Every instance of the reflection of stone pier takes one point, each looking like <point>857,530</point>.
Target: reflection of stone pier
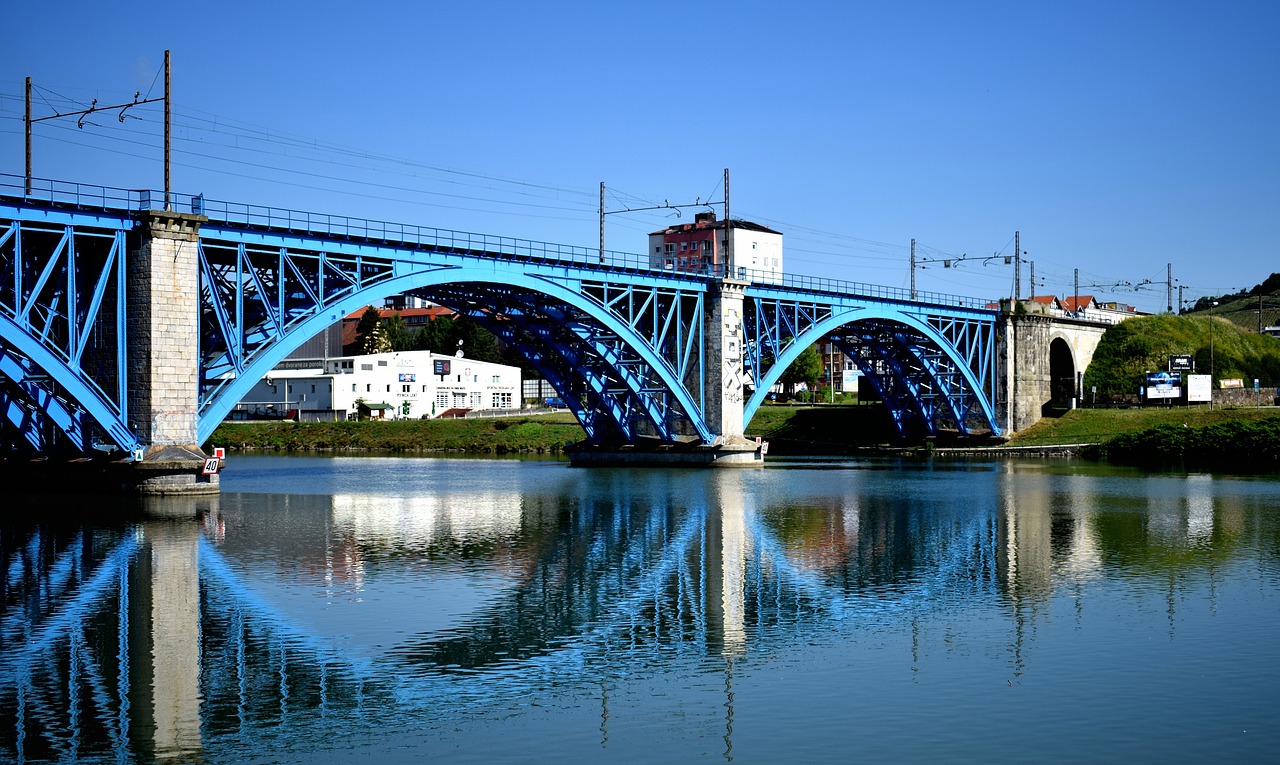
<point>726,568</point>
<point>165,641</point>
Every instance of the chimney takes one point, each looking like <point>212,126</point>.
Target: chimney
<point>705,217</point>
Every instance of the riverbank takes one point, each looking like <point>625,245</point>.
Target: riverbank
<point>544,433</point>
<point>791,430</point>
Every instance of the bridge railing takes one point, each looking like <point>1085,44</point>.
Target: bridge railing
<point>488,245</point>
<point>844,288</point>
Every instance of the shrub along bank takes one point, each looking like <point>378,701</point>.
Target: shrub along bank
<point>1238,446</point>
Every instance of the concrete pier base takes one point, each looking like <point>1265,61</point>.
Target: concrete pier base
<point>734,452</point>
<point>166,477</point>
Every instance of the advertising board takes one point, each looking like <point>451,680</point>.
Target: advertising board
<point>1199,389</point>
<point>1162,386</point>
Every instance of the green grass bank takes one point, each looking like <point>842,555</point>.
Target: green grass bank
<point>795,430</point>
<point>534,433</point>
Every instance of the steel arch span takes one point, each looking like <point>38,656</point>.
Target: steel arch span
<point>623,349</point>
<point>62,342</point>
<point>934,366</point>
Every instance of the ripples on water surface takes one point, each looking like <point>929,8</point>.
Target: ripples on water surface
<point>395,609</point>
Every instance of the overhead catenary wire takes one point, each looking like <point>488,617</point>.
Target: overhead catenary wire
<point>216,139</point>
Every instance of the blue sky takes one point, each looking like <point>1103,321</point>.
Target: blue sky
<point>1118,137</point>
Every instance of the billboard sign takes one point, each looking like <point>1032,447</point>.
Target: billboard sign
<point>1180,363</point>
<point>1162,386</point>
<point>408,377</point>
<point>1199,389</point>
<point>441,367</point>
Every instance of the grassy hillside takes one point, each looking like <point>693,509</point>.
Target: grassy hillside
<point>1129,349</point>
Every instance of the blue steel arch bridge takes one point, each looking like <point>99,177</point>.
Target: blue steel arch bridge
<point>636,351</point>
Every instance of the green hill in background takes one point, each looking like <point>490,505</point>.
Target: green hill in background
<point>1144,343</point>
<point>1251,309</point>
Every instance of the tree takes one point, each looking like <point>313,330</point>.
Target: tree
<point>807,369</point>
<point>436,336</point>
<point>376,341</point>
<point>369,320</point>
<point>398,334</point>
<point>477,342</point>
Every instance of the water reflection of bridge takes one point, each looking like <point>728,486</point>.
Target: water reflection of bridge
<point>150,638</point>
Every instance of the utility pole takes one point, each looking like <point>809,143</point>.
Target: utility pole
<point>601,221</point>
<point>1169,284</point>
<point>1075,295</point>
<point>913,269</point>
<point>1259,314</point>
<point>167,130</point>
<point>94,107</point>
<point>1017,266</point>
<point>1180,303</point>
<point>728,229</point>
<point>1033,280</point>
<point>26,120</point>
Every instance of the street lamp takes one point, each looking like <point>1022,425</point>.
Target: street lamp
<point>1213,304</point>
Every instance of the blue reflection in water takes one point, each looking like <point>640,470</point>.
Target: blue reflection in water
<point>397,608</point>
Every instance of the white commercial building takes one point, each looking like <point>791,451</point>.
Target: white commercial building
<point>404,385</point>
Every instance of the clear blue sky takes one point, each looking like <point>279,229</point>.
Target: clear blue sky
<point>1117,137</point>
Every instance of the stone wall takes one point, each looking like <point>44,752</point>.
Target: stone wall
<point>1026,379</point>
<point>1246,397</point>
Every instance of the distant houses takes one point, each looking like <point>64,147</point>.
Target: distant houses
<point>1082,307</point>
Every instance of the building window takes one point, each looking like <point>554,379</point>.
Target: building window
<point>671,248</point>
<point>368,388</point>
<point>404,388</point>
<point>706,246</point>
<point>313,389</point>
<point>497,379</point>
<point>442,400</point>
<point>366,367</point>
<point>388,389</point>
<point>353,387</point>
<point>501,401</point>
<point>382,363</point>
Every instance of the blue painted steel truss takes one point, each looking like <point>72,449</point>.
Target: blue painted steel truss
<point>933,365</point>
<point>62,344</point>
<point>621,343</point>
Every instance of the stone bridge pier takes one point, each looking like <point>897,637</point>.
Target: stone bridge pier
<point>163,307</point>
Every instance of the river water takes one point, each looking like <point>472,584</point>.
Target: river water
<point>466,610</point>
